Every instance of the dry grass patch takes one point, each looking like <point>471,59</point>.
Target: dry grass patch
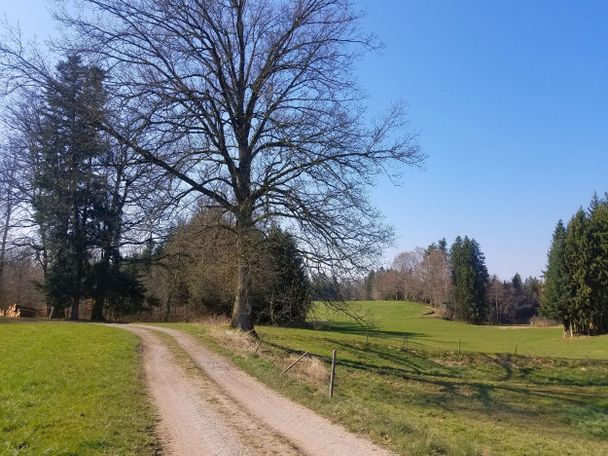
<point>234,340</point>
<point>310,369</point>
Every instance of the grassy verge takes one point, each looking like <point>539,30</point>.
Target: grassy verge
<point>431,402</point>
<point>72,389</point>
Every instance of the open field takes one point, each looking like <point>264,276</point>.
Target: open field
<point>76,389</point>
<point>72,389</point>
<point>430,400</point>
<point>392,320</point>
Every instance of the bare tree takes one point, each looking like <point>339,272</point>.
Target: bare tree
<point>498,300</point>
<point>435,274</point>
<point>8,203</point>
<point>389,284</point>
<point>408,264</point>
<point>251,104</point>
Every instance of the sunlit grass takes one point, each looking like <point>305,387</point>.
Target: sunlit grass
<point>72,389</point>
<point>392,321</point>
<point>431,400</point>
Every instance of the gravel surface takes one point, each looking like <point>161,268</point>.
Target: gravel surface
<point>217,409</point>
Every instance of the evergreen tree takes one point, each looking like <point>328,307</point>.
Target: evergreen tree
<point>516,282</point>
<point>598,267</point>
<point>470,278</point>
<point>577,258</point>
<point>576,280</point>
<point>66,148</point>
<point>370,285</point>
<point>554,301</point>
<point>440,246</point>
<point>594,204</point>
<point>287,299</point>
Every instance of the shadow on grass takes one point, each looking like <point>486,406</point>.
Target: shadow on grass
<point>358,330</point>
<point>512,392</point>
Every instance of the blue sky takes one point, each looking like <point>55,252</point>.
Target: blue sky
<point>511,100</point>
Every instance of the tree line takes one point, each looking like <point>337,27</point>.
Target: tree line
<point>84,199</point>
<point>454,280</point>
<point>576,279</point>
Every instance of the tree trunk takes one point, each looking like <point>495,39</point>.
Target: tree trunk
<point>97,310</point>
<point>6,228</point>
<point>5,231</point>
<point>168,307</point>
<point>74,314</point>
<point>103,283</point>
<point>242,311</point>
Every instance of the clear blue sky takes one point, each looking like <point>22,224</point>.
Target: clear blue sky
<point>511,99</point>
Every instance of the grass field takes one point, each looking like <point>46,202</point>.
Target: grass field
<point>71,389</point>
<point>392,320</point>
<point>431,400</point>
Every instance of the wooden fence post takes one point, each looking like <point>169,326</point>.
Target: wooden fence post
<point>459,346</point>
<point>333,374</point>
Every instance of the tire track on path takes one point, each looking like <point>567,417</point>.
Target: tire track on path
<point>195,416</point>
<point>276,415</point>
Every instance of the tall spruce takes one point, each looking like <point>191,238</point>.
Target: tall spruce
<point>577,258</point>
<point>576,280</point>
<point>598,267</point>
<point>470,279</point>
<point>67,148</point>
<point>554,302</point>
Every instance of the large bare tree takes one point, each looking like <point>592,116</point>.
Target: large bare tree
<point>253,106</point>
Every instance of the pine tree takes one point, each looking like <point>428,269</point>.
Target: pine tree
<point>470,279</point>
<point>576,280</point>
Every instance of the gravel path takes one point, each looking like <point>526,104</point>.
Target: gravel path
<point>218,409</point>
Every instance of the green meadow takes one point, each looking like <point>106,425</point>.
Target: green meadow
<point>551,398</point>
<point>72,389</point>
<point>388,322</point>
<point>77,389</point>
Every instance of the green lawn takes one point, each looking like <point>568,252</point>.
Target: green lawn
<point>430,400</point>
<point>72,389</point>
<point>392,320</point>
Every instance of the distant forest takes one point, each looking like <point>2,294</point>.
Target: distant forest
<point>454,281</point>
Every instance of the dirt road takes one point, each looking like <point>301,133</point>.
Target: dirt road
<point>217,409</point>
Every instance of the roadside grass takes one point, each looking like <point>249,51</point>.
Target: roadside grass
<point>72,389</point>
<point>430,400</point>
